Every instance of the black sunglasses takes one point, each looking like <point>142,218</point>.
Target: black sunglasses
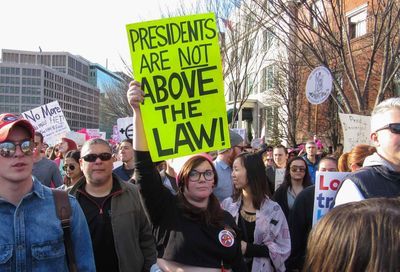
<point>93,157</point>
<point>70,166</point>
<point>393,127</point>
<point>8,149</point>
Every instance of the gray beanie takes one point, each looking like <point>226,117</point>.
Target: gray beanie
<point>236,139</point>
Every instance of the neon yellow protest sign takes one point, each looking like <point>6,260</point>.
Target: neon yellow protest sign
<point>178,63</point>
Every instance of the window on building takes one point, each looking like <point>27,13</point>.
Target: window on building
<point>26,58</point>
<point>270,77</point>
<point>317,12</point>
<point>268,38</point>
<point>10,57</point>
<point>250,84</point>
<point>271,120</point>
<point>263,80</point>
<point>357,20</point>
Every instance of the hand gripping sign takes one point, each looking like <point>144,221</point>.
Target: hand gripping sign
<point>178,63</point>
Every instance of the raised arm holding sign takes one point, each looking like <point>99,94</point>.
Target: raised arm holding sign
<point>178,63</point>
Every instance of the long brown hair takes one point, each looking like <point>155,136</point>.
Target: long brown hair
<point>287,182</point>
<point>214,214</point>
<point>357,236</point>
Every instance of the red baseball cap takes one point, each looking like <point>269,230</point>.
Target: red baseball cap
<point>9,121</point>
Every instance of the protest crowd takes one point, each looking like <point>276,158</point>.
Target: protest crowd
<point>240,208</point>
<point>187,193</point>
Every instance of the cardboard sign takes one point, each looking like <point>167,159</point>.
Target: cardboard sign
<point>49,120</point>
<point>356,130</point>
<point>319,85</point>
<point>326,185</point>
<point>125,128</point>
<point>179,65</point>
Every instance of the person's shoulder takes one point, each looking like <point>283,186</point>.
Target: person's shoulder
<point>227,202</point>
<point>363,173</point>
<point>128,186</point>
<point>228,218</point>
<point>118,169</point>
<point>220,165</point>
<point>280,190</point>
<point>305,196</point>
<point>307,191</point>
<point>269,205</point>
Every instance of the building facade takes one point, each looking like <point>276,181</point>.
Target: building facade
<point>30,79</point>
<point>357,55</point>
<point>253,53</point>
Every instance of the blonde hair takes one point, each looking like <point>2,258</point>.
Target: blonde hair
<point>357,236</point>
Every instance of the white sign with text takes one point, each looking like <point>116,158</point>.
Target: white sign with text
<point>49,120</point>
<point>356,130</point>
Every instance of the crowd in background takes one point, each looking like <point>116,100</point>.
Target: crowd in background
<point>236,209</point>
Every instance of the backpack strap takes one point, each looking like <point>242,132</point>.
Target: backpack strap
<point>63,210</point>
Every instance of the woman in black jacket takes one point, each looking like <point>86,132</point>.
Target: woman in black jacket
<point>200,235</point>
<point>296,179</point>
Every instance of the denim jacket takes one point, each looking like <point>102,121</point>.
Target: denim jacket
<point>31,237</point>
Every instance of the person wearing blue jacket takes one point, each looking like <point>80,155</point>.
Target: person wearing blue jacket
<point>31,236</point>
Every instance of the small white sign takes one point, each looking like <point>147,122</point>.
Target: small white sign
<point>319,85</point>
<point>356,130</point>
<point>49,120</point>
<point>125,128</point>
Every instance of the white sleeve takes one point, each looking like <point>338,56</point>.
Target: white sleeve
<point>348,192</point>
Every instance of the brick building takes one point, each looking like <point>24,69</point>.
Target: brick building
<point>348,43</point>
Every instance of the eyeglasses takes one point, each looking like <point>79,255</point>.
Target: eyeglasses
<point>8,149</point>
<point>195,175</point>
<point>70,166</point>
<point>297,169</point>
<point>93,157</point>
<point>394,128</point>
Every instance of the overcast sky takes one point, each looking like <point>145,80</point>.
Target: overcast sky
<point>94,29</point>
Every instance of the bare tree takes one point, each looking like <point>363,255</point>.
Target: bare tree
<point>240,46</point>
<point>244,53</point>
<point>114,102</point>
<point>285,95</point>
<point>322,33</point>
